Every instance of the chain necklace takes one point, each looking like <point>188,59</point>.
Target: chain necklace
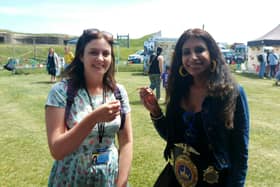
<point>100,125</point>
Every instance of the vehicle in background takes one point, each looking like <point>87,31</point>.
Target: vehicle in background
<point>136,58</point>
<point>222,45</point>
<point>240,51</point>
<point>228,55</point>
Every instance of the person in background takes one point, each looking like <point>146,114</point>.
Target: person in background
<point>81,138</point>
<point>52,64</point>
<point>164,78</point>
<point>155,71</point>
<point>261,59</point>
<point>277,77</point>
<point>206,123</point>
<point>145,61</point>
<point>267,66</point>
<point>68,56</point>
<point>273,62</point>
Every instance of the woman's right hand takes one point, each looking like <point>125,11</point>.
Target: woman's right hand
<point>149,101</point>
<point>108,111</point>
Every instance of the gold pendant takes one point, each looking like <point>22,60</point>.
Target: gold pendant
<point>185,171</point>
<point>210,175</point>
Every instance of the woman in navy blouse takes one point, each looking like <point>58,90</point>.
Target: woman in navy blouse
<point>206,124</point>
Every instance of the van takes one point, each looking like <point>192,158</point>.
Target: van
<point>228,55</point>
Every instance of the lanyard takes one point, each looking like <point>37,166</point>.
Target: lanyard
<point>100,125</point>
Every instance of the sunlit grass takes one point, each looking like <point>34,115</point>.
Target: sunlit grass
<point>25,159</point>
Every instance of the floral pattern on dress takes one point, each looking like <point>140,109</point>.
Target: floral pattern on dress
<point>77,169</point>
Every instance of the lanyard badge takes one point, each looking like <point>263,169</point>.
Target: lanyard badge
<point>101,156</point>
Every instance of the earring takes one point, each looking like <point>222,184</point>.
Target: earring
<point>213,66</point>
<point>181,73</point>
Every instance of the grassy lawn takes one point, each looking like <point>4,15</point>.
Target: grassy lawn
<point>25,159</point>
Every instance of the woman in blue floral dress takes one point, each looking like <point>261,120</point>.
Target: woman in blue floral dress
<point>82,137</point>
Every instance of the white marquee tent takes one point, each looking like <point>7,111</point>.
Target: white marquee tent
<point>269,41</point>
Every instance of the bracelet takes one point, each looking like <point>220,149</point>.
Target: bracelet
<point>154,118</point>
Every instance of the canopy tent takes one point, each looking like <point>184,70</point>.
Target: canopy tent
<point>270,40</point>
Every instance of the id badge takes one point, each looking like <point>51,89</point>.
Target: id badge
<point>100,158</point>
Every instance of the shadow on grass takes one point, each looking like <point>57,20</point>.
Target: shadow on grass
<point>247,75</point>
<point>43,82</point>
<point>138,74</point>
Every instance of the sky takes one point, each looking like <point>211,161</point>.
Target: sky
<point>226,20</point>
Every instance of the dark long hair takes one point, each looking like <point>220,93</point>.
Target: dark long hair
<point>75,71</point>
<point>221,83</point>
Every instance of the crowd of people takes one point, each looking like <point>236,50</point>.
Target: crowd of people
<point>269,65</point>
<point>205,123</point>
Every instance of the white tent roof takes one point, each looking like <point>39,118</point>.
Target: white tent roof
<point>269,39</point>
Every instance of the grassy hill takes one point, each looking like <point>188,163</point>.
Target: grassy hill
<point>39,52</point>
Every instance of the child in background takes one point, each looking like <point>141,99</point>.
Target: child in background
<point>164,78</point>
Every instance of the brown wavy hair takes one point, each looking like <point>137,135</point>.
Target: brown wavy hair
<point>75,71</point>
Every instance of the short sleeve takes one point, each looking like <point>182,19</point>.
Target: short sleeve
<point>57,95</point>
<point>126,106</point>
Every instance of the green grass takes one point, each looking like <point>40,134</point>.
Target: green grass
<point>25,159</point>
<point>27,52</point>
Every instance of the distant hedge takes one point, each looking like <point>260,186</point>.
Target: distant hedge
<point>26,71</point>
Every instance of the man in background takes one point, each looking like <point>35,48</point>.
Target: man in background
<point>155,71</point>
<point>273,62</point>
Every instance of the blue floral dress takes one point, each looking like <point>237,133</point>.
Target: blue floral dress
<point>78,168</point>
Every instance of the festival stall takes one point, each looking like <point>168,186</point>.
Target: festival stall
<point>267,42</point>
